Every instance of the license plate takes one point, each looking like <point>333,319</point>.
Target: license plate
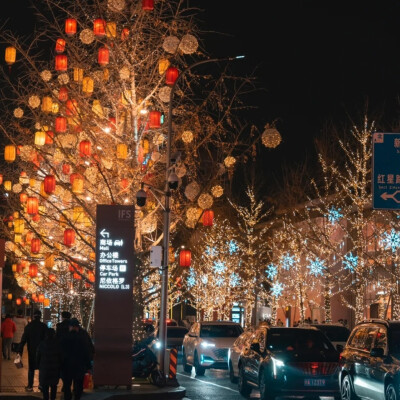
<point>314,382</point>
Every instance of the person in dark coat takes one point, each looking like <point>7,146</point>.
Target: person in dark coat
<point>33,334</point>
<point>49,360</point>
<point>62,328</point>
<point>76,354</point>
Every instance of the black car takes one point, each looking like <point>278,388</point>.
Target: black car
<point>289,362</point>
<point>370,362</point>
<point>336,333</point>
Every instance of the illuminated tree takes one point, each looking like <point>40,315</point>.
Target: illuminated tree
<point>89,128</point>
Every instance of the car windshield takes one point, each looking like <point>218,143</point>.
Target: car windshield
<point>220,330</point>
<point>297,340</point>
<point>335,333</point>
<point>394,340</point>
<point>176,332</point>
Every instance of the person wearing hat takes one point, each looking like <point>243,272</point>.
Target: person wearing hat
<point>77,359</point>
<point>33,334</point>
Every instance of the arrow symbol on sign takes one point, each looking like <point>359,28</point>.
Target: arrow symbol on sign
<point>386,196</point>
<point>104,233</point>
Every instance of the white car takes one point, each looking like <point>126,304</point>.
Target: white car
<point>207,343</point>
<point>234,351</point>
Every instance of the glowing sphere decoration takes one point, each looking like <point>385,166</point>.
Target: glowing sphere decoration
<point>271,138</point>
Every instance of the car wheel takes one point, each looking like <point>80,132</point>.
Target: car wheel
<point>232,376</point>
<point>346,389</point>
<point>186,366</point>
<point>243,386</point>
<point>390,392</point>
<point>262,384</point>
<point>200,371</point>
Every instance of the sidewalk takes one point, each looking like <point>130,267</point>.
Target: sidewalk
<point>13,382</point>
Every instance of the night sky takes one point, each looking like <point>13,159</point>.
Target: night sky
<point>318,61</point>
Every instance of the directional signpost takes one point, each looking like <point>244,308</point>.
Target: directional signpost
<point>386,171</point>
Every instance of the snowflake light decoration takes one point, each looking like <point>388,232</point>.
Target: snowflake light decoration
<point>219,267</point>
<point>234,280</point>
<point>287,261</point>
<point>233,247</point>
<point>391,240</point>
<point>350,262</point>
<point>316,267</point>
<point>219,281</point>
<point>334,215</point>
<point>271,271</point>
<point>191,279</point>
<point>276,289</point>
<point>204,279</point>
<point>211,251</point>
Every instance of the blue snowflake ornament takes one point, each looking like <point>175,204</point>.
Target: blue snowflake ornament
<point>271,271</point>
<point>334,215</point>
<point>287,261</point>
<point>350,262</point>
<point>391,240</point>
<point>234,280</point>
<point>219,267</point>
<point>233,247</point>
<point>276,289</point>
<point>316,267</point>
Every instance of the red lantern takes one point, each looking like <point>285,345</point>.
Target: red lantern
<point>33,271</point>
<point>35,246</point>
<point>23,197</point>
<point>185,258</point>
<point>32,205</point>
<point>63,94</point>
<point>49,184</point>
<point>34,297</point>
<point>85,148</point>
<point>61,62</point>
<point>36,218</point>
<point>148,5</point>
<point>18,302</point>
<point>73,176</point>
<point>20,267</point>
<point>41,298</point>
<point>1,179</point>
<point>61,124</point>
<point>66,169</point>
<point>60,45</point>
<point>49,137</point>
<point>124,33</point>
<point>71,107</point>
<point>171,75</point>
<point>70,26</point>
<point>103,56</point>
<point>52,278</point>
<point>154,119</point>
<point>99,27</point>
<point>69,237</point>
<point>208,217</point>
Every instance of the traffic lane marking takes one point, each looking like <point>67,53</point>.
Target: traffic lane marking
<point>209,383</point>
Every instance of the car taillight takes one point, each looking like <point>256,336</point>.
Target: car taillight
<point>314,365</point>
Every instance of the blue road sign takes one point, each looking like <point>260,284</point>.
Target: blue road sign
<point>386,171</point>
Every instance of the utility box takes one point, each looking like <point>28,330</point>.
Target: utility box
<point>156,254</point>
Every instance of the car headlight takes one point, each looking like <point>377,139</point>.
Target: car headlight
<point>206,344</point>
<point>276,365</point>
<point>158,344</point>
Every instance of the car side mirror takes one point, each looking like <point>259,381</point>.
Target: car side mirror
<point>339,348</point>
<point>255,347</point>
<point>376,352</point>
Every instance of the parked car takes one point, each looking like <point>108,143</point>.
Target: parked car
<point>284,362</point>
<point>206,345</point>
<point>234,351</point>
<point>370,362</point>
<point>336,333</point>
<point>175,335</point>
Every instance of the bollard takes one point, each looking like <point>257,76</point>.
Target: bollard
<point>173,362</point>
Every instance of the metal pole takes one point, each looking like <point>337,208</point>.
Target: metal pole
<point>167,195</point>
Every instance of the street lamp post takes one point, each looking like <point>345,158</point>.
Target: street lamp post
<point>167,195</point>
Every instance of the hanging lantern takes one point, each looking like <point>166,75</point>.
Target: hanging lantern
<point>66,169</point>
<point>7,186</point>
<point>78,74</point>
<point>103,56</point>
<point>49,137</point>
<point>35,246</point>
<point>185,258</point>
<point>14,268</point>
<point>32,205</point>
<point>19,225</point>
<point>10,152</point>
<point>11,54</point>
<point>40,138</point>
<point>122,151</point>
<point>34,297</point>
<point>47,104</point>
<point>63,94</point>
<point>1,178</point>
<point>61,62</point>
<point>171,75</point>
<point>208,217</point>
<point>23,197</point>
<point>87,85</point>
<point>77,185</point>
<point>71,107</point>
<point>124,33</point>
<point>41,298</point>
<point>52,278</point>
<point>99,27</point>
<point>148,5</point>
<point>60,45</point>
<point>163,65</point>
<point>33,270</point>
<point>111,29</point>
<point>49,184</point>
<point>27,302</point>
<point>73,177</point>
<point>69,237</point>
<point>70,26</point>
<point>154,119</point>
<point>85,148</point>
<point>61,124</point>
<point>18,302</point>
<point>46,302</point>
<point>9,296</point>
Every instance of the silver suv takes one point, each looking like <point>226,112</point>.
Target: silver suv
<point>206,345</point>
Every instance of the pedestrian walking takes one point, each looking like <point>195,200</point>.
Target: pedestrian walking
<point>62,328</point>
<point>20,323</point>
<point>49,360</point>
<point>7,333</point>
<point>33,334</point>
<point>76,359</point>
